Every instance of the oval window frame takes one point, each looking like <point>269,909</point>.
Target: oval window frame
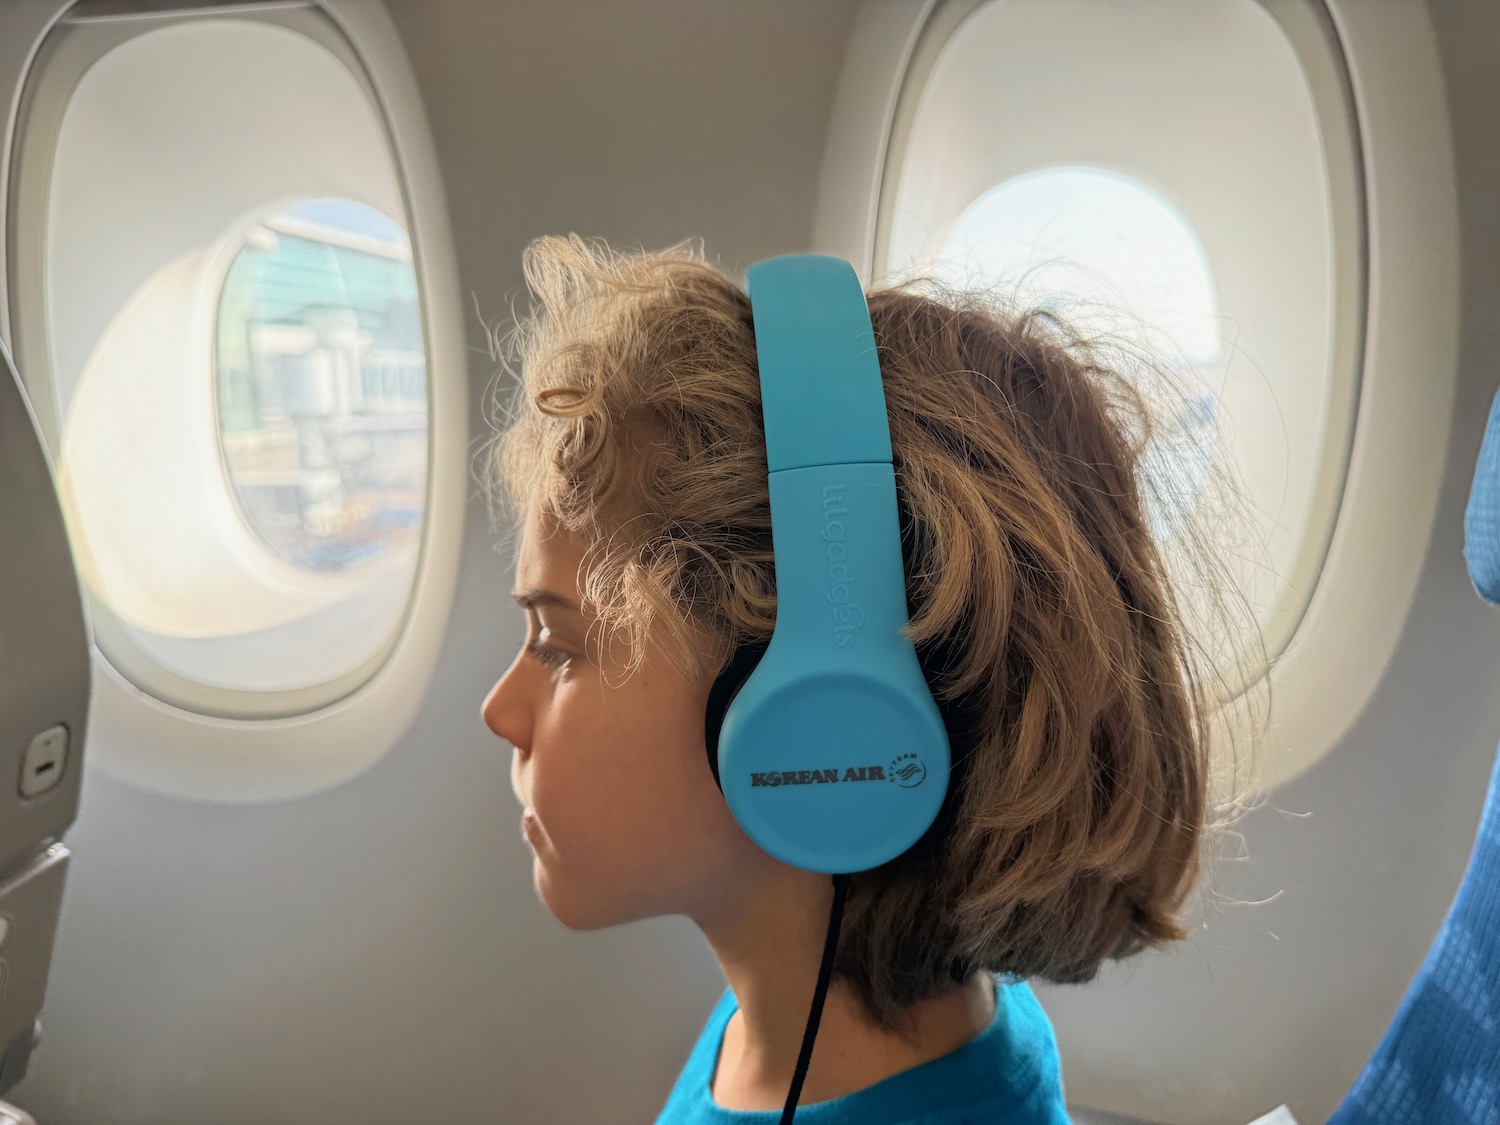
<point>293,743</point>
<point>1331,661</point>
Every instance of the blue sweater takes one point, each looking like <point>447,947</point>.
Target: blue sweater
<point>1007,1075</point>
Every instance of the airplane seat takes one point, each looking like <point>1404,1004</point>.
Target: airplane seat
<point>1439,1062</point>
<point>44,696</point>
<point>1482,522</point>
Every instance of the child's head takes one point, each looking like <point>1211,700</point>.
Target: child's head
<point>1040,610</point>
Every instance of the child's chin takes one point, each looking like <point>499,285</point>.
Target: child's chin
<point>577,912</point>
<point>581,921</point>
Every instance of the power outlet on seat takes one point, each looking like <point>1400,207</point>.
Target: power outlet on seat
<point>46,758</point>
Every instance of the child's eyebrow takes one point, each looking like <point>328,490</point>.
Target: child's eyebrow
<point>537,596</point>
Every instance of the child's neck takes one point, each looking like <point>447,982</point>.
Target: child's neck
<point>755,1063</point>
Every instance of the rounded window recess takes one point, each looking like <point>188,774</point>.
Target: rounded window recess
<point>1122,265</point>
<point>1191,220</point>
<point>241,381</point>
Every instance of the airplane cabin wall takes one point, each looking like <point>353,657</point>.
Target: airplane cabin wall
<point>377,953</point>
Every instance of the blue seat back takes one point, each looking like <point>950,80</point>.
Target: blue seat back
<point>1439,1063</point>
<point>1482,523</point>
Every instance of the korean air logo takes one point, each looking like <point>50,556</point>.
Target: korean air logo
<point>908,771</point>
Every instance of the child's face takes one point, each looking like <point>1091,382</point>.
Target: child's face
<point>629,823</point>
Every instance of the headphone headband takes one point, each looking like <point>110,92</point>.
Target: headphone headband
<point>820,390</point>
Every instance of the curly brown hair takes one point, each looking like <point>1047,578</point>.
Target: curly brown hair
<point>1041,609</point>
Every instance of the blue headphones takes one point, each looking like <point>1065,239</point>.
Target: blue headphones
<point>826,741</point>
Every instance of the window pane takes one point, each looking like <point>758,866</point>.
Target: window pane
<point>1119,262</point>
<point>322,384</point>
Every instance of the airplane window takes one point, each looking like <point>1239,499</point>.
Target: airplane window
<point>1164,185</point>
<point>241,381</point>
<point>322,385</point>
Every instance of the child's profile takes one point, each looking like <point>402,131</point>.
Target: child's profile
<point>632,464</point>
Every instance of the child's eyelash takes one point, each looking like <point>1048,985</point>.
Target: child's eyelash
<point>546,653</point>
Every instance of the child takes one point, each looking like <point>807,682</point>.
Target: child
<point>634,460</point>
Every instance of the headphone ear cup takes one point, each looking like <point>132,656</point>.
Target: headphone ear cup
<point>835,769</point>
<point>744,661</point>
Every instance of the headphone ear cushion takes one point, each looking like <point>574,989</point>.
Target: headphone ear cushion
<point>744,661</point>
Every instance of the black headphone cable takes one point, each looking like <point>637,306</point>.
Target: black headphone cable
<point>825,973</point>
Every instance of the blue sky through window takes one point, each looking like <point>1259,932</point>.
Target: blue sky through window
<point>351,216</point>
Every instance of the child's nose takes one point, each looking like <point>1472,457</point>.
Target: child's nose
<point>503,711</point>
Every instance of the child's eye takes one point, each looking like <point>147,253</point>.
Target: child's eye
<point>546,653</point>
